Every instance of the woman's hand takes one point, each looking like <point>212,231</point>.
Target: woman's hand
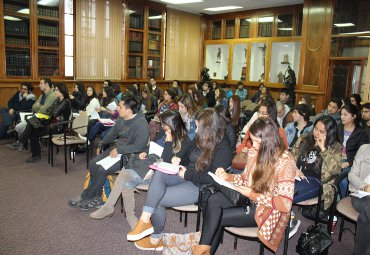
<point>182,171</point>
<point>168,136</point>
<point>113,153</point>
<point>321,142</point>
<point>243,190</point>
<point>97,109</point>
<point>176,161</point>
<point>142,155</point>
<point>71,97</point>
<point>345,164</point>
<point>220,172</point>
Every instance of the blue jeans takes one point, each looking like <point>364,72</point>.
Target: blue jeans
<point>135,179</point>
<point>304,190</point>
<point>343,185</point>
<point>94,130</point>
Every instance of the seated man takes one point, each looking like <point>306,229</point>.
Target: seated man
<point>132,131</point>
<point>333,110</point>
<point>359,179</point>
<point>43,105</point>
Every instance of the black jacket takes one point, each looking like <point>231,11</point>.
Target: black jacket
<point>210,96</point>
<point>21,105</point>
<point>77,102</point>
<point>355,140</point>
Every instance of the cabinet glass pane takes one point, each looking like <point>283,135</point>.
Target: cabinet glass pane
<point>245,27</point>
<point>300,20</point>
<point>135,43</point>
<point>217,59</point>
<point>154,66</point>
<point>135,64</point>
<point>154,44</point>
<point>136,18</point>
<point>257,62</point>
<point>48,24</point>
<point>155,21</point>
<point>48,63</point>
<point>17,38</point>
<point>230,29</point>
<point>265,25</point>
<point>216,30</point>
<point>350,47</point>
<point>239,61</point>
<point>284,54</point>
<point>285,25</point>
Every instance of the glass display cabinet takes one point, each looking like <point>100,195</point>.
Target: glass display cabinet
<point>217,60</point>
<point>257,62</point>
<point>239,68</point>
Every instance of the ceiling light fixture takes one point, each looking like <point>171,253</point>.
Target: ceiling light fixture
<point>222,8</point>
<point>24,11</point>
<point>11,18</point>
<point>344,25</point>
<point>285,28</point>
<point>155,17</point>
<point>182,1</point>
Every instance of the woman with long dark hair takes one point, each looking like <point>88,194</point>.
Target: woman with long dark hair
<point>318,156</point>
<point>92,101</point>
<point>268,181</point>
<point>176,143</point>
<point>220,97</point>
<point>188,110</point>
<point>149,103</point>
<point>108,97</point>
<point>199,100</point>
<point>78,97</point>
<point>231,131</point>
<point>209,151</point>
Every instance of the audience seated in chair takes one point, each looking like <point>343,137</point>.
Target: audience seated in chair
<point>268,181</point>
<point>132,131</point>
<point>78,97</point>
<point>301,124</point>
<point>332,110</point>
<point>176,143</point>
<point>209,151</point>
<point>149,104</point>
<point>188,111</point>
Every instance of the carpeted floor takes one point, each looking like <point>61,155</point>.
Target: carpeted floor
<point>35,218</point>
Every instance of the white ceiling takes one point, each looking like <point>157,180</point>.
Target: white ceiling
<point>246,4</point>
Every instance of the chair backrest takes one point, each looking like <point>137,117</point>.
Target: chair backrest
<point>80,123</point>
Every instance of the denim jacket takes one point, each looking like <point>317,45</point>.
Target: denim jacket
<point>291,132</point>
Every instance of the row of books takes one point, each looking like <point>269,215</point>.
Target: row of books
<point>17,28</point>
<point>155,24</point>
<point>135,72</point>
<point>48,12</point>
<point>264,29</point>
<point>134,61</point>
<point>48,42</point>
<point>17,41</point>
<point>135,46</point>
<point>230,32</point>
<point>153,72</point>
<point>48,30</point>
<point>216,33</point>
<point>48,59</point>
<point>154,45</point>
<point>16,58</point>
<point>244,31</point>
<point>136,36</point>
<point>48,71</point>
<point>136,22</point>
<point>18,71</point>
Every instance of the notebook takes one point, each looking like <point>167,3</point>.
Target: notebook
<point>166,168</point>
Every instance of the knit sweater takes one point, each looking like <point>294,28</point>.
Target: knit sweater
<point>273,207</point>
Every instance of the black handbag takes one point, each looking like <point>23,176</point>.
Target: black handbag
<point>36,122</point>
<point>315,241</point>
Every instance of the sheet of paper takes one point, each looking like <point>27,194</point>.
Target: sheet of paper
<point>107,162</point>
<point>360,194</point>
<point>221,181</point>
<point>23,115</point>
<point>75,114</point>
<point>107,122</point>
<point>112,106</point>
<point>94,115</point>
<point>156,149</point>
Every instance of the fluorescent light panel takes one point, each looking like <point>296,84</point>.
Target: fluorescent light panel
<point>155,17</point>
<point>11,18</point>
<point>182,1</point>
<point>222,8</point>
<point>285,28</point>
<point>344,25</point>
<point>265,19</point>
<point>24,11</point>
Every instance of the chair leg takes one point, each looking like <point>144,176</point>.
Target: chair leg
<point>186,220</point>
<point>235,242</point>
<point>52,154</point>
<point>341,229</point>
<point>121,203</point>
<point>286,236</point>
<point>198,219</point>
<point>180,216</point>
<point>65,159</point>
<point>262,248</point>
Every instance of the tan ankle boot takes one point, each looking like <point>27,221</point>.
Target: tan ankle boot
<point>128,196</point>
<point>201,250</point>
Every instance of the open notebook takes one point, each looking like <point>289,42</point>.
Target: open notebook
<point>166,168</point>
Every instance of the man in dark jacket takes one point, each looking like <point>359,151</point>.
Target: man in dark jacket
<point>132,131</point>
<point>209,94</point>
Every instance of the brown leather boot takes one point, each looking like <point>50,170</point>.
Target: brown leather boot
<point>201,250</point>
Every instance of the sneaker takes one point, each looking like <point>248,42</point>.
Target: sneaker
<point>86,205</point>
<point>145,245</point>
<point>33,159</point>
<point>75,202</point>
<point>294,225</point>
<point>14,146</point>
<point>140,231</point>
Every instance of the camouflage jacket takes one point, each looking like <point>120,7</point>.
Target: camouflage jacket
<point>331,166</point>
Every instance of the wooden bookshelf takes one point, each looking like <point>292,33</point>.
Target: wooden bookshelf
<point>31,34</point>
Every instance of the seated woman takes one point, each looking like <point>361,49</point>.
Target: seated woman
<point>268,181</point>
<point>61,112</point>
<point>176,143</point>
<point>231,132</point>
<point>260,94</point>
<point>92,102</point>
<point>301,124</point>
<point>210,150</point>
<point>149,103</point>
<point>78,97</point>
<point>187,110</point>
<point>168,103</point>
<point>220,97</point>
<point>318,156</point>
<point>199,100</point>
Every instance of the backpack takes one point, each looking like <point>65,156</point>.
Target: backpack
<point>107,187</point>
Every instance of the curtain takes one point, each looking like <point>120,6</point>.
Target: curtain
<point>99,39</point>
<point>183,46</point>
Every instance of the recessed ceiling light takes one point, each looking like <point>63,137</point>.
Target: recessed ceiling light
<point>344,25</point>
<point>222,8</point>
<point>24,11</point>
<point>11,18</point>
<point>182,1</point>
<point>155,17</point>
<point>285,28</point>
